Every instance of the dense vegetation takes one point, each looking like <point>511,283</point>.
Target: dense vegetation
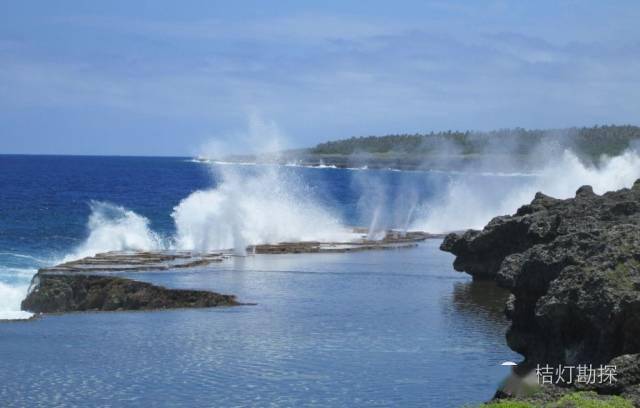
<point>591,142</point>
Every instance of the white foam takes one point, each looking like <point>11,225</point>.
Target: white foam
<point>17,273</point>
<point>10,298</point>
<point>470,203</point>
<point>112,227</point>
<point>265,206</point>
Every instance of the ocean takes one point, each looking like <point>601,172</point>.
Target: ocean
<point>387,328</point>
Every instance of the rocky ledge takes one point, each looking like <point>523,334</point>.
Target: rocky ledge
<point>573,269</point>
<point>127,261</point>
<point>88,284</point>
<point>392,240</point>
<point>55,293</point>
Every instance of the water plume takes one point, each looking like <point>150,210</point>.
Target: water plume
<point>110,227</point>
<point>265,204</point>
<point>471,201</point>
<point>115,228</point>
<point>253,204</point>
<point>386,200</point>
<point>372,203</point>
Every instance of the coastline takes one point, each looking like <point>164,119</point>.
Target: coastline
<point>572,267</point>
<point>89,284</point>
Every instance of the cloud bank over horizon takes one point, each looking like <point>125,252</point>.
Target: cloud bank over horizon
<point>161,78</point>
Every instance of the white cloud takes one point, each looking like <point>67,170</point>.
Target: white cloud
<point>333,75</point>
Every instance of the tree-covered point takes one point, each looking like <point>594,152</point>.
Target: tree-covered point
<point>590,141</point>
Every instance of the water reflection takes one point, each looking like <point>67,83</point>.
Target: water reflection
<point>387,328</point>
<point>481,299</point>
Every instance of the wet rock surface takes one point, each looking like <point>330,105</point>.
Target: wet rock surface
<point>55,293</point>
<point>124,261</point>
<point>88,284</point>
<point>480,253</point>
<point>573,269</point>
<point>392,240</point>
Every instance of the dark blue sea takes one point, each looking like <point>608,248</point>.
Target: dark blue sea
<point>390,328</point>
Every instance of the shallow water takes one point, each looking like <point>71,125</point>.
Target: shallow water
<point>388,328</point>
<point>363,329</point>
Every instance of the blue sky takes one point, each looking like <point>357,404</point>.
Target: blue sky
<point>167,78</point>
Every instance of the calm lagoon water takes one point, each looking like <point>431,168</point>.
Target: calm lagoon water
<point>388,328</point>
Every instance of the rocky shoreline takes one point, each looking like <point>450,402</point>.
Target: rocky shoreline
<point>57,293</point>
<point>88,284</point>
<point>573,269</point>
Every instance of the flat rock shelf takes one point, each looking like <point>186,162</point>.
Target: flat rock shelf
<point>87,284</point>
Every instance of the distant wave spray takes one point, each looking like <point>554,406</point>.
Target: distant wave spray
<point>468,203</point>
<point>265,206</point>
<point>114,228</point>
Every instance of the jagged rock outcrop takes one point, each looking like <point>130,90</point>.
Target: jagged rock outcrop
<point>480,253</point>
<point>576,299</point>
<point>573,268</point>
<point>54,293</point>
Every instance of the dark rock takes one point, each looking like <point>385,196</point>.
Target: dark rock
<point>53,293</point>
<point>480,253</point>
<point>573,268</point>
<point>627,375</point>
<point>576,299</point>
